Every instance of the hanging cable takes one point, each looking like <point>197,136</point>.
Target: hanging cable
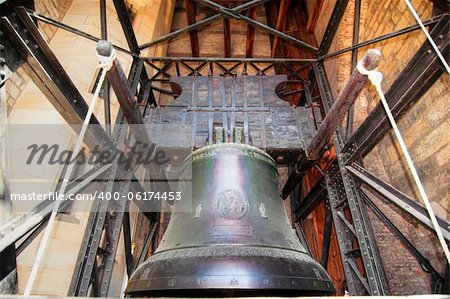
<point>105,63</point>
<point>376,78</point>
<point>430,39</point>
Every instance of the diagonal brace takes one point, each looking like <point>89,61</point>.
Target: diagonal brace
<point>200,24</point>
<point>236,15</point>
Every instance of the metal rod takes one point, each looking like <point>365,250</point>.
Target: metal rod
<point>383,37</point>
<point>106,87</point>
<point>223,59</point>
<point>230,13</point>
<point>73,30</point>
<point>342,104</point>
<point>147,242</point>
<point>198,24</point>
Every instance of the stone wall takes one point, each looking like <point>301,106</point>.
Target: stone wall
<point>425,128</point>
<point>55,9</point>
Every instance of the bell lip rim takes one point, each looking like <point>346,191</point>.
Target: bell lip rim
<point>237,145</point>
<point>327,287</point>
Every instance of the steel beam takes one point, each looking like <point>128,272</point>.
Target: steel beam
<point>73,30</point>
<point>401,200</point>
<point>438,280</point>
<point>310,201</point>
<point>106,89</point>
<point>335,112</point>
<point>127,26</point>
<point>15,229</point>
<point>199,24</point>
<point>223,59</point>
<point>232,14</point>
<point>416,78</point>
<point>87,256</point>
<point>332,27</point>
<point>355,40</point>
<point>47,73</point>
<point>356,230</point>
<point>380,38</point>
<point>126,227</point>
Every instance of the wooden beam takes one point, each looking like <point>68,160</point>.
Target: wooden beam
<point>314,16</point>
<point>250,34</point>
<point>281,22</point>
<point>227,35</point>
<point>190,15</point>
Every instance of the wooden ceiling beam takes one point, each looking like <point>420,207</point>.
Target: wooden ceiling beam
<point>281,21</point>
<point>190,14</point>
<point>250,34</point>
<point>314,16</point>
<point>227,35</point>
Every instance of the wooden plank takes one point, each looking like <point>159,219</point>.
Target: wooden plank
<point>281,21</point>
<point>314,16</point>
<point>250,34</point>
<point>190,15</point>
<point>227,35</point>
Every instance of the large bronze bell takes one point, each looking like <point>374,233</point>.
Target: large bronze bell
<point>236,241</point>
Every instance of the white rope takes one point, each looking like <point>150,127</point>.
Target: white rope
<point>430,39</point>
<point>376,78</point>
<point>105,63</point>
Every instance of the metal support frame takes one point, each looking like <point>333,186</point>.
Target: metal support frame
<point>355,235</point>
<point>332,27</point>
<point>356,241</point>
<point>127,27</point>
<point>235,15</point>
<point>348,202</point>
<point>355,40</point>
<point>310,201</point>
<point>401,200</point>
<point>105,216</point>
<point>438,280</point>
<point>44,69</point>
<point>418,76</point>
<point>200,24</point>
